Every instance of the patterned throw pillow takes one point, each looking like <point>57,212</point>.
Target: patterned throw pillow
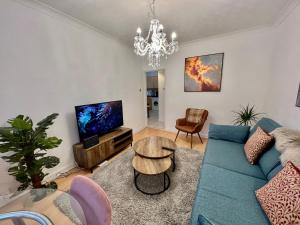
<point>257,144</point>
<point>195,115</point>
<point>280,198</point>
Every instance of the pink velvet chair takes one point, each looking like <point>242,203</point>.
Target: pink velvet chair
<point>92,200</point>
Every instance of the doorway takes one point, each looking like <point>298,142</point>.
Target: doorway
<point>155,82</point>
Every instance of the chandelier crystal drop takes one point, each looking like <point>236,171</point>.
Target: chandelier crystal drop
<point>156,43</point>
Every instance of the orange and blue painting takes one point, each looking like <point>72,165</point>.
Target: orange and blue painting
<point>203,73</point>
<point>298,98</point>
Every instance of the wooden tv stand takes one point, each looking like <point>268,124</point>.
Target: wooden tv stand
<point>109,145</point>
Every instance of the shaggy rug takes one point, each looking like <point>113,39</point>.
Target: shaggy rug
<point>131,207</point>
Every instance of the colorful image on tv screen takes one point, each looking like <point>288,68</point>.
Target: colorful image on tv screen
<point>98,119</point>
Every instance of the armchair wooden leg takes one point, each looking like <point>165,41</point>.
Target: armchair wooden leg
<point>186,135</point>
<point>191,140</point>
<point>176,135</point>
<point>200,138</point>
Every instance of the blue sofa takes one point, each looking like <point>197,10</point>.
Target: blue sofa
<point>226,187</point>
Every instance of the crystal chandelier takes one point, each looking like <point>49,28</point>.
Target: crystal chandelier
<point>156,43</point>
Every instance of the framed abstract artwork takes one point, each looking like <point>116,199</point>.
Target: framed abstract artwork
<point>298,98</point>
<point>203,73</point>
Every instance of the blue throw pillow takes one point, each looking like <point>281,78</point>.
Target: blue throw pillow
<point>203,221</point>
<point>238,134</point>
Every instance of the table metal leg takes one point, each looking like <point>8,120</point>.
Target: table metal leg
<point>166,180</point>
<point>173,162</point>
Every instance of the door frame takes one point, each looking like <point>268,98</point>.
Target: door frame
<point>145,92</point>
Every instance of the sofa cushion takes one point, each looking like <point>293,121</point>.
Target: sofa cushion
<point>269,160</point>
<point>238,134</point>
<point>259,142</point>
<point>268,125</point>
<point>203,220</point>
<point>231,156</point>
<point>227,197</point>
<point>280,198</point>
<point>274,171</point>
<point>229,183</point>
<point>223,210</point>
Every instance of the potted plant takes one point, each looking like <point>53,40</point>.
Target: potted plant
<point>246,116</point>
<point>26,147</point>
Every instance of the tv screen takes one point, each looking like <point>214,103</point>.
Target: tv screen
<point>98,119</point>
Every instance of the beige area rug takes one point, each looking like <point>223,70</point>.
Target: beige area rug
<point>131,207</point>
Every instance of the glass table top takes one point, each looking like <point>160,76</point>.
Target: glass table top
<point>60,207</point>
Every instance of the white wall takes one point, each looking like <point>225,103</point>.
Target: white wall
<point>50,63</point>
<point>245,77</point>
<point>285,75</point>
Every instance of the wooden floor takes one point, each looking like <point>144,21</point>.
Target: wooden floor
<point>182,142</point>
<point>47,207</point>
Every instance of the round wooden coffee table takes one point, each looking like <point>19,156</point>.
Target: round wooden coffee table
<point>156,148</point>
<point>151,167</point>
<point>154,156</point>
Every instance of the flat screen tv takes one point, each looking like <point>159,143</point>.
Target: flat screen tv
<point>98,119</point>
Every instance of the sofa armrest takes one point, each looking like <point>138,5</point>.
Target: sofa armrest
<point>238,134</point>
<point>180,122</point>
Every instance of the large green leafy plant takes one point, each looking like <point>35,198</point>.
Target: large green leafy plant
<point>246,116</point>
<point>26,147</point>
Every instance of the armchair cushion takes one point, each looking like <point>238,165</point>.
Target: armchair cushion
<point>194,115</point>
<point>187,129</point>
<point>237,134</point>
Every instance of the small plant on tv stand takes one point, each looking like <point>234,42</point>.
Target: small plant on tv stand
<point>27,148</point>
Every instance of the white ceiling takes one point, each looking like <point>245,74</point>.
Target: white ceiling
<point>191,19</point>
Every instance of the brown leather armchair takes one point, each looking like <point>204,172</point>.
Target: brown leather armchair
<point>192,123</point>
